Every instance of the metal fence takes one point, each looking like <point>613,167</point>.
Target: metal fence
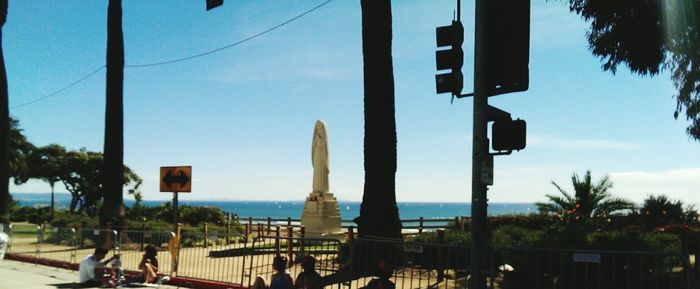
<point>212,256</point>
<point>326,252</point>
<point>586,269</point>
<point>233,259</point>
<point>132,243</point>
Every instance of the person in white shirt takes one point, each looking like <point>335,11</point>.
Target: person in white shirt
<point>4,240</point>
<point>88,265</point>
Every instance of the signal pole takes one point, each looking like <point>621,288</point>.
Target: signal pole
<point>480,152</point>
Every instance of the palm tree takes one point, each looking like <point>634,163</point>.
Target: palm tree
<point>589,200</point>
<point>379,215</point>
<point>4,129</point>
<point>659,210</point>
<point>113,176</point>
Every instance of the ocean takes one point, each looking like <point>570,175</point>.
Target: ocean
<point>283,209</point>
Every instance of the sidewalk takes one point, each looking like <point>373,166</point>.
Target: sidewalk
<point>14,274</point>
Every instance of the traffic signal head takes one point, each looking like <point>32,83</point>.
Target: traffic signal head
<point>508,135</point>
<point>507,52</point>
<point>211,4</point>
<point>451,58</point>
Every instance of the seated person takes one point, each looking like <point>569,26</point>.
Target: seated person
<point>149,264</point>
<point>281,279</point>
<point>309,278</point>
<point>89,264</point>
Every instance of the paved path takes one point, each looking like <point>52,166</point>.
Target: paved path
<point>15,274</point>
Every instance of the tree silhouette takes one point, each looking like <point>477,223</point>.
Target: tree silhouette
<point>4,128</point>
<point>649,36</point>
<point>113,177</point>
<point>379,216</point>
<point>48,163</point>
<point>589,200</point>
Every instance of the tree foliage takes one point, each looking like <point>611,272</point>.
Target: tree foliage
<point>650,36</point>
<point>660,210</point>
<point>589,200</point>
<point>19,151</point>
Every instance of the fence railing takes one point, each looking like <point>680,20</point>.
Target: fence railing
<point>235,259</point>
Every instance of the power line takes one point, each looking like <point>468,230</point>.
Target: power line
<point>174,60</point>
<point>74,83</point>
<point>230,45</point>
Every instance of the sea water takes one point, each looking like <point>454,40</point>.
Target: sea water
<point>293,209</point>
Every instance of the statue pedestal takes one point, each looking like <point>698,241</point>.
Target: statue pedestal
<point>321,215</point>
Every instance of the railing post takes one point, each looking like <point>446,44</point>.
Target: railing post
<point>277,240</point>
<point>440,270</point>
<point>143,235</point>
<point>269,225</point>
<point>351,234</point>
<point>289,221</point>
<point>206,236</point>
<point>420,225</point>
<point>228,232</point>
<point>176,257</point>
<point>247,232</point>
<point>73,245</point>
<point>260,230</point>
<point>456,223</point>
<point>290,255</point>
<point>302,234</point>
<point>39,237</point>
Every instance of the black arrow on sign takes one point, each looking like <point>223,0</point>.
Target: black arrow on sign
<point>181,179</point>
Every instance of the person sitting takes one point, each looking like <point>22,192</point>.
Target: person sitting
<point>384,272</point>
<point>89,264</point>
<point>281,279</point>
<point>259,283</point>
<point>149,264</point>
<point>309,278</point>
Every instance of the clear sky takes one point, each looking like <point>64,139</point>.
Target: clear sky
<point>243,117</point>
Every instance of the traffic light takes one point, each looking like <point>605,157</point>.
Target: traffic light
<point>211,4</point>
<point>451,58</point>
<point>507,43</point>
<point>508,135</point>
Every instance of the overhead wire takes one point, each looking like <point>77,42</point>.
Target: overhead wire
<point>74,83</point>
<point>229,45</point>
<point>141,65</point>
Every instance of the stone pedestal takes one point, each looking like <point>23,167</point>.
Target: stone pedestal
<point>321,215</point>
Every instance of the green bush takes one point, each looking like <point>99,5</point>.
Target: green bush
<point>510,236</point>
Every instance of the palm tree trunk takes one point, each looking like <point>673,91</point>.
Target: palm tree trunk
<point>113,174</point>
<point>4,129</point>
<point>379,215</point>
<point>53,203</point>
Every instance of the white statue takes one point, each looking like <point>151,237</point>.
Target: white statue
<point>321,214</point>
<point>319,158</point>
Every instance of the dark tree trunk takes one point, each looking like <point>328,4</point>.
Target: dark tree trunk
<point>53,202</point>
<point>4,129</point>
<point>113,174</point>
<point>379,216</point>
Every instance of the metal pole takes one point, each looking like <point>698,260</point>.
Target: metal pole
<point>175,214</point>
<point>480,151</point>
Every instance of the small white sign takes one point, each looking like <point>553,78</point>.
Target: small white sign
<point>412,248</point>
<point>586,258</point>
<point>96,232</point>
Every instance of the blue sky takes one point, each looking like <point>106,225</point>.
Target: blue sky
<point>243,117</point>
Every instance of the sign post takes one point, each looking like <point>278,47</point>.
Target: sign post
<point>176,180</point>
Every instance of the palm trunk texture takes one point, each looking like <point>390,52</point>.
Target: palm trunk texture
<point>113,174</point>
<point>4,129</point>
<point>379,215</point>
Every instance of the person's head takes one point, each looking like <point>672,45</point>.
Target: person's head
<point>384,269</point>
<point>308,263</point>
<point>279,264</point>
<point>150,251</point>
<point>100,253</point>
